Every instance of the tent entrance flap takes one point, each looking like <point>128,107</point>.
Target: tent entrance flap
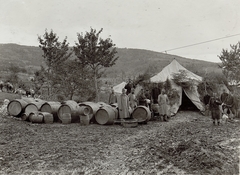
<point>187,104</point>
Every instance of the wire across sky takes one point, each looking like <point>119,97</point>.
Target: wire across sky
<point>200,43</point>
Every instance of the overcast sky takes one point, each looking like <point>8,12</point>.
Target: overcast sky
<point>157,25</point>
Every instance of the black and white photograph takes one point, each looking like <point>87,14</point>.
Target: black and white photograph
<point>119,87</point>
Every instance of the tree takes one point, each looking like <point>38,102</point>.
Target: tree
<point>55,53</point>
<point>231,62</point>
<point>39,79</point>
<point>95,53</point>
<point>73,79</point>
<point>182,79</point>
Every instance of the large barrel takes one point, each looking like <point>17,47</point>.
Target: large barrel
<point>29,100</point>
<point>52,108</point>
<point>69,107</point>
<point>34,117</point>
<point>238,113</point>
<point>141,113</point>
<point>34,106</point>
<point>91,108</point>
<point>106,115</point>
<point>25,117</point>
<point>16,107</point>
<point>84,110</point>
<point>115,105</point>
<point>47,117</point>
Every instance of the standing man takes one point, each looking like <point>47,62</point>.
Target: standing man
<point>155,94</point>
<point>163,102</point>
<point>129,86</point>
<point>112,97</point>
<point>142,98</point>
<point>206,100</point>
<point>215,108</point>
<point>224,96</point>
<point>132,99</point>
<point>1,85</point>
<point>123,105</point>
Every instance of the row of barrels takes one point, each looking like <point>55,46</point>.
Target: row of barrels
<point>39,111</point>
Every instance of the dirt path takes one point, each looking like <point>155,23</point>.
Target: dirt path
<point>125,148</point>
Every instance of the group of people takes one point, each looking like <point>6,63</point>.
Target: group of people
<point>8,86</point>
<point>128,101</point>
<point>219,106</point>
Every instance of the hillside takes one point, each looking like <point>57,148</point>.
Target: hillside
<point>136,61</point>
<point>23,56</point>
<point>131,62</point>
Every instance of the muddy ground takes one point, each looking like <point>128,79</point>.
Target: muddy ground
<point>187,144</point>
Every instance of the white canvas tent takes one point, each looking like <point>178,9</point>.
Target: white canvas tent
<point>191,93</point>
<point>118,88</point>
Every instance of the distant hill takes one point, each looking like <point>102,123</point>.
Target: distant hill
<point>135,61</point>
<point>131,62</point>
<point>28,57</point>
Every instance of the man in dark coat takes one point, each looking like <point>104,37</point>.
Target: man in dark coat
<point>214,107</point>
<point>206,100</point>
<point>1,85</point>
<point>142,98</point>
<point>155,92</point>
<point>112,97</point>
<point>129,86</point>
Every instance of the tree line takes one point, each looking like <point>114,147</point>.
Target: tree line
<point>74,71</point>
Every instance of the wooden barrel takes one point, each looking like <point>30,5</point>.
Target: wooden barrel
<point>16,107</point>
<point>115,105</point>
<point>91,108</point>
<point>34,117</point>
<point>25,117</point>
<point>141,113</point>
<point>47,117</point>
<point>102,104</point>
<point>66,118</point>
<point>84,119</point>
<point>30,99</point>
<point>52,108</point>
<point>238,113</point>
<point>106,115</point>
<point>115,108</point>
<point>155,108</point>
<point>129,123</point>
<point>34,106</point>
<point>69,107</point>
<point>84,110</point>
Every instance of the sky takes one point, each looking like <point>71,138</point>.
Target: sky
<point>196,29</point>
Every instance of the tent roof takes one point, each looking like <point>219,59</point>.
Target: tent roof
<point>169,70</point>
<point>118,88</point>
